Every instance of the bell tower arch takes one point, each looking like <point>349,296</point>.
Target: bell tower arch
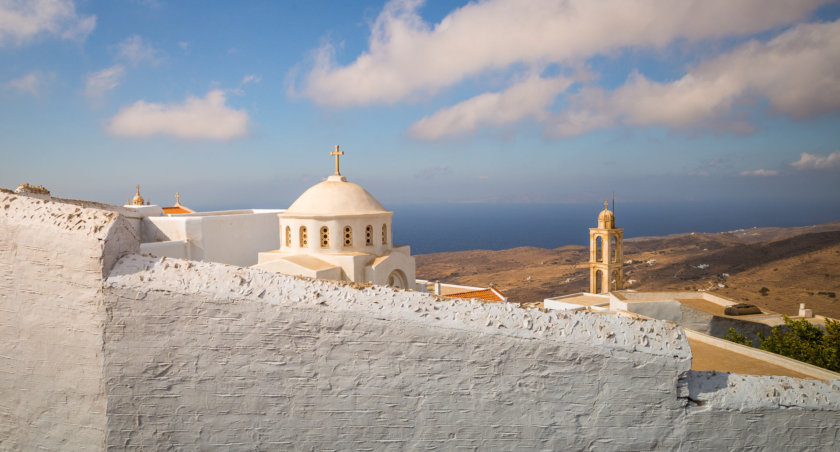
<point>606,254</point>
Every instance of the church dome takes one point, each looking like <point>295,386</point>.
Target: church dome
<point>606,219</point>
<point>336,196</point>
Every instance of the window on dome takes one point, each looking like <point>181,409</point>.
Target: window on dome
<point>288,237</point>
<point>325,237</point>
<point>384,234</point>
<point>369,235</point>
<point>348,236</point>
<point>304,240</point>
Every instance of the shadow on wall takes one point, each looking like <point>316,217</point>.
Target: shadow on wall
<point>701,383</point>
<point>717,326</point>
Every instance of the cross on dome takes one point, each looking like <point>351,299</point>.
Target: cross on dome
<point>337,154</point>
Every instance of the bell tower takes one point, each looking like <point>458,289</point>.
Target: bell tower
<point>606,254</point>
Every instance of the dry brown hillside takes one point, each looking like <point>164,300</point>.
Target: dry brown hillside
<point>795,265</point>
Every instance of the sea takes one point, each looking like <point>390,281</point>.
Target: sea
<point>434,228</point>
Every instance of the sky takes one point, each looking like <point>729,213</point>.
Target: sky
<point>238,104</point>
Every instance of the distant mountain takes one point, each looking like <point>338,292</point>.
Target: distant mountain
<point>795,265</point>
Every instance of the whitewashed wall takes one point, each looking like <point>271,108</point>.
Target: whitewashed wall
<point>233,239</point>
<point>174,354</point>
<point>52,259</point>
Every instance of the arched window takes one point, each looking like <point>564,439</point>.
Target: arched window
<point>384,234</point>
<point>325,237</point>
<point>369,235</point>
<point>599,281</point>
<point>348,236</point>
<point>304,240</point>
<point>599,249</point>
<point>613,248</point>
<point>614,282</point>
<point>288,237</point>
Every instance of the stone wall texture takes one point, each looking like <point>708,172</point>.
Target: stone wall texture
<point>159,353</point>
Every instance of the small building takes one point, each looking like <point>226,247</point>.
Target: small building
<point>228,237</point>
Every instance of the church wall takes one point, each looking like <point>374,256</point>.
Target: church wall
<point>229,239</point>
<point>53,257</point>
<point>214,356</point>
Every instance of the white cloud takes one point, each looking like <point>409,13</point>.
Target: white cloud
<point>31,83</point>
<point>136,51</point>
<point>407,56</point>
<point>250,78</point>
<point>197,118</point>
<point>760,172</point>
<point>22,21</point>
<point>818,162</point>
<point>98,83</point>
<point>796,72</point>
<point>529,98</point>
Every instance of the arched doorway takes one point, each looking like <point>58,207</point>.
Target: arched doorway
<point>397,279</point>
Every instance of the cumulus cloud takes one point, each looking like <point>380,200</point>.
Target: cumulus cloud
<point>22,21</point>
<point>31,83</point>
<point>818,162</point>
<point>798,73</point>
<point>136,51</point>
<point>407,56</point>
<point>197,118</point>
<point>529,98</point>
<point>760,172</point>
<point>99,83</point>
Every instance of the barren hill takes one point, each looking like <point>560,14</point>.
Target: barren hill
<point>795,265</point>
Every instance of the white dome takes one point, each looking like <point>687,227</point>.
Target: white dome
<point>335,196</point>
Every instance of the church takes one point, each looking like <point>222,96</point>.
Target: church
<point>337,230</point>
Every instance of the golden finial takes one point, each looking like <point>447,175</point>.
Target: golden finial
<point>138,199</point>
<point>177,198</point>
<point>606,205</point>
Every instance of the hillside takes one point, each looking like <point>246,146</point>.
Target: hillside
<point>796,265</point>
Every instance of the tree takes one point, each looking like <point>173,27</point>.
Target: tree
<point>802,341</point>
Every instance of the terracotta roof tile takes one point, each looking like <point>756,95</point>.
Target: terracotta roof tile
<point>176,210</point>
<point>493,295</point>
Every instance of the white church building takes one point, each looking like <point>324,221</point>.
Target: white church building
<point>337,230</point>
<point>334,230</point>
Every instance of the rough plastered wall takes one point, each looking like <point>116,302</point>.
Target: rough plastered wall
<point>171,354</point>
<point>53,256</point>
<point>202,355</point>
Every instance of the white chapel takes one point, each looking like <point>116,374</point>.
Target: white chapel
<point>337,230</point>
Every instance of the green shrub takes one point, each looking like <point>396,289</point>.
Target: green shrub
<point>801,341</point>
<point>737,337</point>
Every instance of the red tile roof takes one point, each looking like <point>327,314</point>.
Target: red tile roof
<point>492,295</point>
<point>176,210</point>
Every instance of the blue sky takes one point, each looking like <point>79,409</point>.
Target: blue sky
<point>509,101</point>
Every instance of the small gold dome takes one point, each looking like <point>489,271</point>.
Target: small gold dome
<point>138,199</point>
<point>606,219</point>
